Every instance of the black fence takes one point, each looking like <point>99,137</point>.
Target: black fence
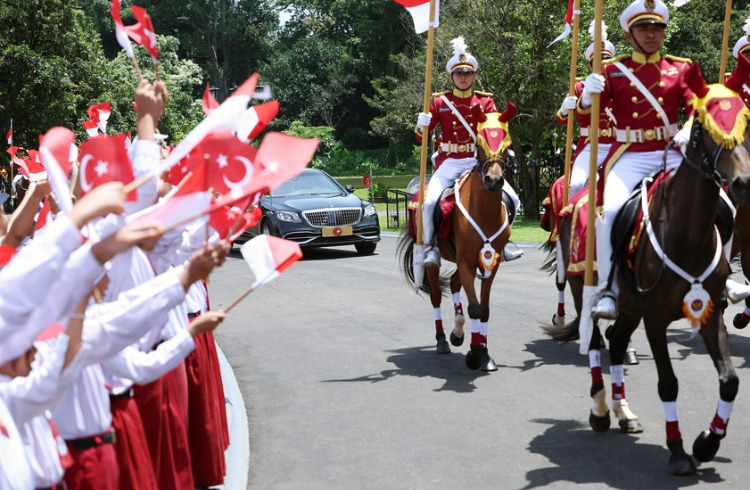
<point>531,178</point>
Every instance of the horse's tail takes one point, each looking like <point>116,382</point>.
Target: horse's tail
<point>563,333</point>
<point>405,250</point>
<point>550,263</point>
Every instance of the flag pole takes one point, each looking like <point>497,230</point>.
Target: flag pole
<point>586,323</point>
<point>571,91</point>
<point>240,298</point>
<point>137,68</point>
<point>418,258</point>
<point>725,41</point>
<point>10,183</point>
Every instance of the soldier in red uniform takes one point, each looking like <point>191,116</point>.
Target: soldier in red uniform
<point>457,112</point>
<point>579,173</point>
<point>742,49</point>
<point>645,90</point>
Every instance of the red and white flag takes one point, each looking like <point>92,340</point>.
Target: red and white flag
<point>420,13</point>
<point>99,114</point>
<point>92,129</point>
<point>55,150</point>
<point>120,34</point>
<point>255,120</point>
<point>568,22</point>
<point>185,203</point>
<point>268,256</point>
<point>232,219</point>
<point>31,167</point>
<point>225,116</point>
<point>9,137</point>
<point>105,159</point>
<point>280,157</point>
<point>209,101</point>
<point>143,31</point>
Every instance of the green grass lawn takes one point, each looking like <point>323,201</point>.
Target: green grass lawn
<point>524,230</point>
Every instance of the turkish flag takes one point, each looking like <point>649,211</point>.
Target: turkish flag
<point>105,159</point>
<point>209,102</point>
<point>232,219</point>
<point>142,31</point>
<point>268,256</point>
<point>55,150</point>
<point>280,157</point>
<point>230,162</point>
<point>223,117</point>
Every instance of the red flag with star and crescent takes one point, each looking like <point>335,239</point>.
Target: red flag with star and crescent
<point>143,31</point>
<point>105,159</point>
<point>230,162</point>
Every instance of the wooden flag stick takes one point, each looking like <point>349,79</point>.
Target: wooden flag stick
<point>425,108</point>
<point>138,182</point>
<point>240,298</point>
<point>725,42</point>
<point>571,91</point>
<point>156,71</point>
<point>137,68</point>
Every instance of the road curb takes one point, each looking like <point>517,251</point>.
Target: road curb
<point>238,453</point>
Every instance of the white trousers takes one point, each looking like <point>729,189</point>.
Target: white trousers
<point>628,171</point>
<point>446,175</point>
<point>579,173</point>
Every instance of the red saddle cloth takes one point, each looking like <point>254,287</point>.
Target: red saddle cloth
<point>578,209</point>
<point>446,207</point>
<point>552,203</point>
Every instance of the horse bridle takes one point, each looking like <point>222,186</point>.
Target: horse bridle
<point>482,167</point>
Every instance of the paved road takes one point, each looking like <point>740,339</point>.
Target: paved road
<point>343,390</point>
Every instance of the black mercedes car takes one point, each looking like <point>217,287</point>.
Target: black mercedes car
<point>314,210</point>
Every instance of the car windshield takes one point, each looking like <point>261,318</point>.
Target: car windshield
<point>307,184</point>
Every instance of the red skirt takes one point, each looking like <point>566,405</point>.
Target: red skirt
<point>131,447</point>
<point>220,396</point>
<point>94,468</point>
<point>205,430</point>
<point>163,408</point>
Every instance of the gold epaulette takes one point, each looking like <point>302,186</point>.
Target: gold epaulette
<point>615,59</point>
<point>438,94</point>
<point>483,94</point>
<point>677,58</point>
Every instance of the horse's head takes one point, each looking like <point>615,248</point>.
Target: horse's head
<point>720,137</point>
<point>493,143</point>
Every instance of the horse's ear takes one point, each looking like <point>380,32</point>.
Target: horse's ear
<point>694,80</point>
<point>510,111</point>
<point>739,75</point>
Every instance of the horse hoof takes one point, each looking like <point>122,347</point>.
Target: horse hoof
<point>680,463</point>
<point>631,357</point>
<point>706,446</point>
<point>632,426</point>
<point>738,322</point>
<point>489,366</point>
<point>599,424</point>
<point>456,340</point>
<point>558,320</point>
<point>472,360</point>
<point>443,347</point>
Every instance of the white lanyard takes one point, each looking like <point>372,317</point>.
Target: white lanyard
<point>642,89</point>
<point>460,117</point>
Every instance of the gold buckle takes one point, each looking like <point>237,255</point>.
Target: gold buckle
<point>604,132</point>
<point>649,135</point>
<point>461,148</point>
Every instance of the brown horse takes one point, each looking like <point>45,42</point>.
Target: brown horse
<point>480,229</point>
<point>679,268</point>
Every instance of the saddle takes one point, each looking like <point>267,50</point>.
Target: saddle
<point>444,210</point>
<point>628,227</point>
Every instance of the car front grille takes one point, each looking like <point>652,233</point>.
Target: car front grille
<point>333,217</point>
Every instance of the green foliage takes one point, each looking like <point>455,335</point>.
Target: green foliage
<point>379,190</point>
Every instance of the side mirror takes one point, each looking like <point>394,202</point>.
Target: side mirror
<point>349,188</point>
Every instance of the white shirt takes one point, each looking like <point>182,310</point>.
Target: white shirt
<point>15,473</point>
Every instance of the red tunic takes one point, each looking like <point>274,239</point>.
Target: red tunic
<point>606,125</point>
<point>455,141</point>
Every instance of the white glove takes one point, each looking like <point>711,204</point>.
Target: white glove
<point>682,137</point>
<point>423,120</point>
<point>594,84</point>
<point>568,105</point>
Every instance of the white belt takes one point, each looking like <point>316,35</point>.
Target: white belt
<point>458,148</point>
<point>606,132</point>
<point>660,133</point>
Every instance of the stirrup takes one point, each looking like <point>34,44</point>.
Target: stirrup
<point>431,256</point>
<point>509,255</point>
<point>605,307</point>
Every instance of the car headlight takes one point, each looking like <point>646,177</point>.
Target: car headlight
<point>370,210</point>
<point>288,217</point>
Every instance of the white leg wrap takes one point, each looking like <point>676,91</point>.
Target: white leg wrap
<point>670,411</point>
<point>456,299</point>
<point>475,327</point>
<point>438,315</point>
<point>595,358</point>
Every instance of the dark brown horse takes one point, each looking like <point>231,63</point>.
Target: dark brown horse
<point>679,268</point>
<point>480,229</point>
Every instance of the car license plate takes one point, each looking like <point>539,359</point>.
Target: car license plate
<point>333,231</point>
